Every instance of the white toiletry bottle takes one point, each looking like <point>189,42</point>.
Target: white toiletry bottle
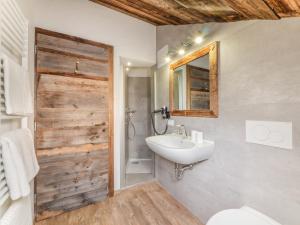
<point>199,137</point>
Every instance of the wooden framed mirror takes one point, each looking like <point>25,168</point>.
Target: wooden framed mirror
<point>194,84</point>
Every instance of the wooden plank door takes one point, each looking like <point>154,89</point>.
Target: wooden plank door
<point>74,122</point>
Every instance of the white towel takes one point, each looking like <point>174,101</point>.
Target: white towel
<point>20,162</point>
<point>18,98</point>
<point>19,213</point>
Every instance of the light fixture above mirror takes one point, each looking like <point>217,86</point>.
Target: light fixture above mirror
<point>198,40</point>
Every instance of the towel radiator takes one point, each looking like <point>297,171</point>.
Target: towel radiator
<point>14,43</point>
<point>2,98</point>
<point>13,32</point>
<point>4,192</point>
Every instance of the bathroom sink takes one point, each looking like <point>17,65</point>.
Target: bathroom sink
<point>180,149</point>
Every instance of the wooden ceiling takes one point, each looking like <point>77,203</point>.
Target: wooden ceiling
<point>177,12</point>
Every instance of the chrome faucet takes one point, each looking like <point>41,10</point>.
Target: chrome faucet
<point>181,130</point>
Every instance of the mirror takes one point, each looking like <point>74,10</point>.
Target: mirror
<point>193,84</point>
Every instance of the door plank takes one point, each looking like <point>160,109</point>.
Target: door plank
<point>53,138</point>
<point>55,208</point>
<point>73,47</point>
<point>87,148</point>
<point>53,62</point>
<point>72,100</point>
<point>59,83</point>
<point>82,188</point>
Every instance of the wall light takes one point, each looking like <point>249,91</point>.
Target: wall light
<point>168,59</point>
<point>129,64</point>
<point>127,69</point>
<point>181,51</point>
<point>198,40</point>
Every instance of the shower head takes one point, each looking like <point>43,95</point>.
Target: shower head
<point>131,111</point>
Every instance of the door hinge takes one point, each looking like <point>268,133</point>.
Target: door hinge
<point>35,203</point>
<point>35,49</point>
<point>34,126</point>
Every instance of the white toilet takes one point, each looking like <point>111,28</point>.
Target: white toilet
<point>242,216</point>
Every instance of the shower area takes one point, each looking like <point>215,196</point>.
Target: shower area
<point>139,159</point>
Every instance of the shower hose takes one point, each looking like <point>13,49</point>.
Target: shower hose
<point>154,128</point>
<point>131,124</point>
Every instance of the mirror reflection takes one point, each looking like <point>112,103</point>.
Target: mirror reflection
<point>191,85</point>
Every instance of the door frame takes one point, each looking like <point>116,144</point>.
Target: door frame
<point>110,50</point>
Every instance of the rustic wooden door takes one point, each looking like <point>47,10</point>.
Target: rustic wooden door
<point>74,122</point>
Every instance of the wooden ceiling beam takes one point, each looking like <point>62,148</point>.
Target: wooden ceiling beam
<point>295,13</point>
<point>175,9</point>
<point>134,13</point>
<point>285,8</point>
<point>144,12</point>
<point>154,9</point>
<point>212,10</point>
<point>253,9</point>
<point>177,12</point>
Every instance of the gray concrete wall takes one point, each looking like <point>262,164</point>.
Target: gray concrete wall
<point>259,79</point>
<point>139,99</point>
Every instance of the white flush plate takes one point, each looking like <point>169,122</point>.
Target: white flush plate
<point>276,134</point>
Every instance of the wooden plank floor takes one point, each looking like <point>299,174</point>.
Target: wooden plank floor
<point>145,204</point>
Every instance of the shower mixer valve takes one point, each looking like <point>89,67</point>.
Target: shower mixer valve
<point>164,112</point>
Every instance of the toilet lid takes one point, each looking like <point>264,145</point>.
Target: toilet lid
<point>243,216</point>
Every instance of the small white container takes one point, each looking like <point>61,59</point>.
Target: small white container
<point>194,135</point>
<point>197,136</point>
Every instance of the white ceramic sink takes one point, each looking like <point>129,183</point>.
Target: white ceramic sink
<point>180,149</point>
